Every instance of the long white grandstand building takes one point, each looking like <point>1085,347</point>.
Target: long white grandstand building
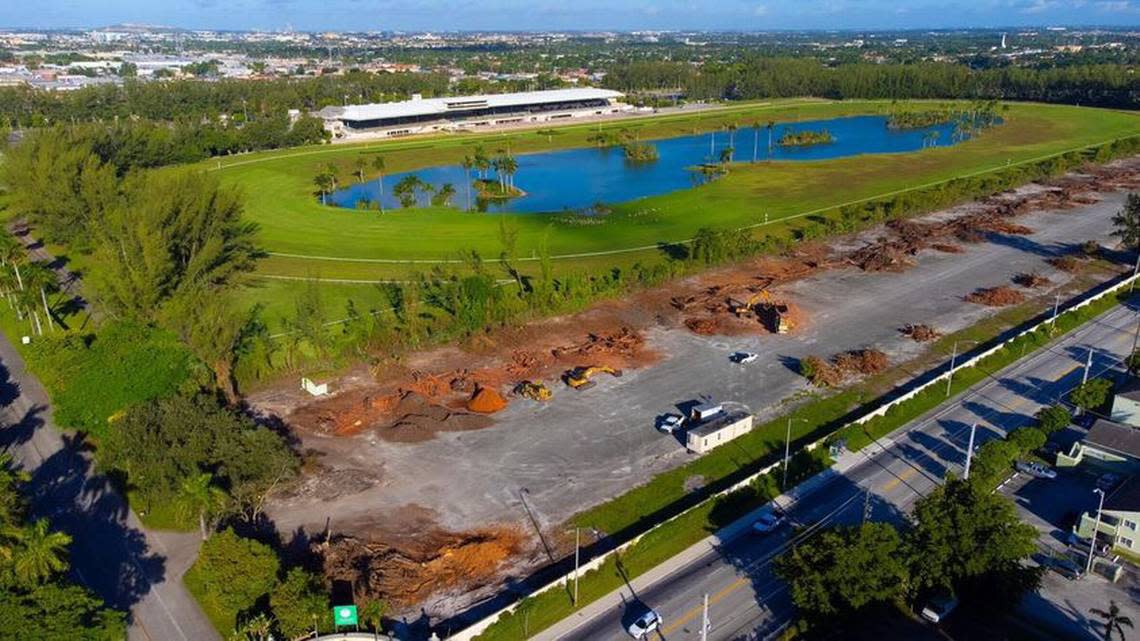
<point>425,115</point>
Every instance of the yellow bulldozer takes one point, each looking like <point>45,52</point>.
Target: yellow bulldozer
<point>772,314</point>
<point>579,377</point>
<point>533,391</point>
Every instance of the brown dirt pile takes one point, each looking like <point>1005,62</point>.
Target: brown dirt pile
<point>920,333</point>
<point>995,296</point>
<point>486,401</point>
<point>1031,280</point>
<point>431,563</point>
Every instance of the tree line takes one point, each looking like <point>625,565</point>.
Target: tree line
<point>757,77</point>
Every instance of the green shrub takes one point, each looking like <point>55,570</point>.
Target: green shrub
<point>1091,395</point>
<point>1053,419</point>
<point>92,377</point>
<point>230,576</point>
<point>1027,439</point>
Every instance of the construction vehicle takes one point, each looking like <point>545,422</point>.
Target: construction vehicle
<point>579,377</point>
<point>772,314</point>
<point>534,391</point>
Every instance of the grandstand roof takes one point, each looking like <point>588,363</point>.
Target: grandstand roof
<point>459,104</point>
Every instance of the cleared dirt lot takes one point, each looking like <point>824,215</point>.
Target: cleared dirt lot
<point>549,461</point>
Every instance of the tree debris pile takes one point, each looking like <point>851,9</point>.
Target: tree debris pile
<point>995,296</point>
<point>1032,280</point>
<point>920,333</point>
<point>1066,264</point>
<point>624,342</point>
<point>843,366</point>
<point>429,565</point>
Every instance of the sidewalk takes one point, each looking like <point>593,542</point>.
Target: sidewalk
<point>111,553</point>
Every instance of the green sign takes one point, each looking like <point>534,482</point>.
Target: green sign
<point>344,615</point>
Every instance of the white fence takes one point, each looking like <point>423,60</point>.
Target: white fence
<point>477,628</point>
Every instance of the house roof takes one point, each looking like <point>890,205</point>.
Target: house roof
<point>1115,437</point>
<point>1130,389</point>
<point>1126,498</point>
<point>459,104</point>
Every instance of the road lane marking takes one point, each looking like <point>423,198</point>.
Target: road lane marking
<point>894,482</point>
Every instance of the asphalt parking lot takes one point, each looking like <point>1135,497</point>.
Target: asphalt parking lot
<point>1061,607</point>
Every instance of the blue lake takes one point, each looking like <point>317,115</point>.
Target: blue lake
<point>576,179</point>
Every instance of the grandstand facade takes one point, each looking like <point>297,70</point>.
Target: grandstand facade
<point>425,115</point>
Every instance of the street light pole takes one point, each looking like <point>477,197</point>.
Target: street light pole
<point>1088,366</point>
<point>1096,528</point>
<point>1135,272</point>
<point>1056,308</point>
<point>970,452</point>
<point>705,621</point>
<point>950,376</point>
<point>577,549</point>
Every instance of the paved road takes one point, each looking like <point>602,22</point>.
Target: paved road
<point>131,568</point>
<point>747,601</point>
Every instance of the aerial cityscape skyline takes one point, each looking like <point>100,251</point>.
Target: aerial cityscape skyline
<point>452,15</point>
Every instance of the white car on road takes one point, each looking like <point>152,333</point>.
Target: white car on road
<point>1036,470</point>
<point>645,624</point>
<point>671,423</point>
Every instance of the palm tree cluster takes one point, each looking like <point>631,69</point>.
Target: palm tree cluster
<point>26,283</point>
<point>409,187</point>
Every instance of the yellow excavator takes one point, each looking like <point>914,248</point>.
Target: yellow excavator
<point>534,391</point>
<point>579,377</point>
<point>772,314</point>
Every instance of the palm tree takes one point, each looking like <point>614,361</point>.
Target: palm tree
<point>771,128</point>
<point>726,155</point>
<point>732,127</point>
<point>255,628</point>
<point>427,188</point>
<point>443,197</point>
<point>482,162</point>
<point>38,553</point>
<point>755,141</point>
<point>508,166</point>
<point>199,495</point>
<point>40,280</point>
<point>405,190</point>
<point>13,253</point>
<point>325,183</point>
<point>372,612</point>
<point>467,164</point>
<point>1114,622</point>
<point>496,164</point>
<point>361,164</point>
<point>378,165</point>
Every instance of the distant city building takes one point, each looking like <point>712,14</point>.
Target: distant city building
<point>420,115</point>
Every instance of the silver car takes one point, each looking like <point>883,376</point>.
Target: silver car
<point>1036,470</point>
<point>645,624</point>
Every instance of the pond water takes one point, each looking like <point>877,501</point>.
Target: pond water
<point>577,179</point>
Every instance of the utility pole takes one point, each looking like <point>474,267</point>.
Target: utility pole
<point>1088,366</point>
<point>1096,528</point>
<point>577,550</point>
<point>787,451</point>
<point>1056,308</point>
<point>970,452</point>
<point>950,376</point>
<point>1135,273</point>
<point>705,625</point>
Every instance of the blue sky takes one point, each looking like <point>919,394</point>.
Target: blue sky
<point>569,14</point>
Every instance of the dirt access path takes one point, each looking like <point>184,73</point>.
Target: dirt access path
<point>464,474</point>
